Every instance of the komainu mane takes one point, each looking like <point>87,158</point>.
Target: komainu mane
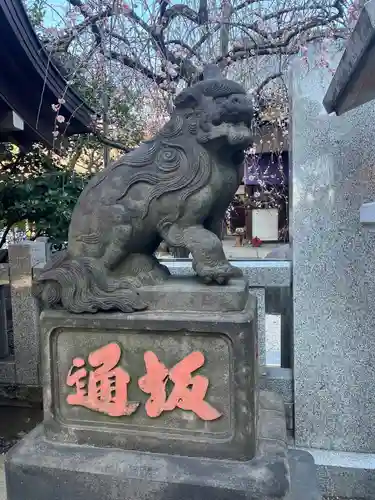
<point>175,187</point>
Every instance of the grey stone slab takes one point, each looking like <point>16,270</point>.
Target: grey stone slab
<point>37,465</point>
<point>7,371</point>
<point>353,82</point>
<point>283,252</point>
<point>25,311</point>
<point>186,293</point>
<point>59,471</point>
<point>279,380</point>
<point>4,274</point>
<point>259,273</point>
<point>261,322</point>
<point>345,475</point>
<point>333,268</point>
<point>4,342</point>
<point>227,342</point>
<point>3,494</point>
<point>303,479</point>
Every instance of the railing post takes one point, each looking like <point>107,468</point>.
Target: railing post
<point>22,258</point>
<point>4,342</point>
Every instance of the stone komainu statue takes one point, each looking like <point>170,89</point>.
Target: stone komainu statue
<point>175,187</point>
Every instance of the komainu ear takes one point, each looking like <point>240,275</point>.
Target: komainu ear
<point>186,100</point>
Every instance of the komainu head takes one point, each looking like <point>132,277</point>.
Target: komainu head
<point>219,113</point>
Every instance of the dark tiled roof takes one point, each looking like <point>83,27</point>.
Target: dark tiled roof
<point>30,83</point>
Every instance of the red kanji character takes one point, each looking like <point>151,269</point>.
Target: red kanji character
<point>188,392</point>
<point>107,388</point>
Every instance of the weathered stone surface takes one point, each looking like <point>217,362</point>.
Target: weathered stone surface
<point>80,453</point>
<point>175,188</point>
<point>186,293</point>
<point>283,252</point>
<point>25,313</point>
<point>333,268</point>
<point>227,340</point>
<point>303,478</point>
<point>63,471</point>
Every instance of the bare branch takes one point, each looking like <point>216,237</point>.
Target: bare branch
<point>278,46</point>
<point>266,81</point>
<point>183,11</point>
<point>131,63</point>
<point>184,46</point>
<point>111,143</point>
<point>151,46</point>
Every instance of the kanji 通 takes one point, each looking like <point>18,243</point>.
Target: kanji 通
<point>106,390</point>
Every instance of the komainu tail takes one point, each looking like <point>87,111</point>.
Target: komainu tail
<point>81,285</point>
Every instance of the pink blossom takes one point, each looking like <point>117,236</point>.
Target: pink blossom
<point>172,72</point>
<point>52,31</point>
<point>126,8</point>
<point>55,107</point>
<point>123,7</point>
<point>61,101</point>
<point>72,16</point>
<point>60,118</point>
<point>55,133</point>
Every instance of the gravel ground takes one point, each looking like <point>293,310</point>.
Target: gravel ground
<point>15,422</point>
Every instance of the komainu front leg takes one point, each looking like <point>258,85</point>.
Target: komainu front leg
<point>209,260</point>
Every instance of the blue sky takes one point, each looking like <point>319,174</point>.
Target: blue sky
<point>55,9</point>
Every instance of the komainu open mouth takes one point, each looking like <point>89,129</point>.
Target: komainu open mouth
<point>244,117</point>
<point>239,134</point>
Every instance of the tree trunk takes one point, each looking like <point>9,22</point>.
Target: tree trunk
<point>226,15</point>
<point>106,149</point>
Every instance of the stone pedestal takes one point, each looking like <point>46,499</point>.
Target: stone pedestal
<point>158,404</point>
